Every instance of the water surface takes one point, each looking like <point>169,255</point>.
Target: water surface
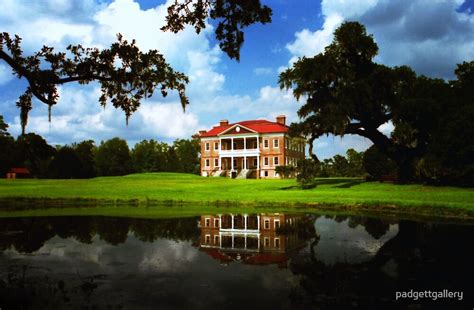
<point>239,261</point>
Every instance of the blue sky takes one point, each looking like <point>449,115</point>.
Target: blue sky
<point>430,36</point>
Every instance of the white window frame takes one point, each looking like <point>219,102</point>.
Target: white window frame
<point>207,239</point>
<point>207,222</point>
<point>276,143</point>
<point>207,162</point>
<point>265,221</point>
<point>216,239</point>
<point>216,146</point>
<point>207,147</point>
<point>275,242</point>
<point>216,162</point>
<point>266,161</point>
<point>216,221</point>
<point>276,161</point>
<point>267,142</point>
<point>275,224</point>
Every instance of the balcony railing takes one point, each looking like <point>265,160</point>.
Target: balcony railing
<point>240,152</point>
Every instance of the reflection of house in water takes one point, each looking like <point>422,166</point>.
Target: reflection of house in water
<point>252,239</point>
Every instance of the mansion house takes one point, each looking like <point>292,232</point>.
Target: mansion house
<point>249,149</point>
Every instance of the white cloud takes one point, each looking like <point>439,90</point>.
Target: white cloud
<point>78,114</point>
<point>5,74</point>
<point>309,43</point>
<point>407,32</point>
<point>386,128</point>
<point>263,71</point>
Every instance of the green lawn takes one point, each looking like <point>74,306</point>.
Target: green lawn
<point>174,188</point>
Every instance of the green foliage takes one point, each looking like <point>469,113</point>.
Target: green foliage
<point>377,164</point>
<point>149,156</point>
<point>7,148</point>
<point>34,153</point>
<point>136,77</point>
<point>232,17</point>
<point>187,152</point>
<point>340,166</point>
<point>3,128</point>
<point>85,151</point>
<point>348,93</point>
<point>112,157</point>
<point>307,170</point>
<point>65,165</point>
<point>285,171</point>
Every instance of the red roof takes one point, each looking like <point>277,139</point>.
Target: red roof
<point>259,126</point>
<point>19,170</point>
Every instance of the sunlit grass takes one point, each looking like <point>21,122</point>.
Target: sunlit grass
<point>196,190</point>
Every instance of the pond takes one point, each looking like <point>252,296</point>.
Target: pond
<point>235,261</point>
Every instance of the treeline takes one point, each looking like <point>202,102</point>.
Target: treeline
<point>371,164</point>
<point>86,160</point>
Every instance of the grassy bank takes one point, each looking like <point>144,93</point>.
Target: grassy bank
<point>182,189</point>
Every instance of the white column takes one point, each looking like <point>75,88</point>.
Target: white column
<point>232,240</point>
<point>220,240</point>
<point>220,163</point>
<point>232,163</point>
<point>245,241</point>
<point>245,143</point>
<point>220,221</point>
<point>258,242</point>
<point>245,162</point>
<point>258,222</point>
<point>232,221</point>
<point>232,144</point>
<point>245,222</point>
<point>258,162</point>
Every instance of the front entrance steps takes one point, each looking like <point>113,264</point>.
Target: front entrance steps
<point>244,174</point>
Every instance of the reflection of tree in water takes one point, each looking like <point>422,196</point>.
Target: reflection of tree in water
<point>28,235</point>
<point>177,229</point>
<point>421,256</point>
<point>27,287</point>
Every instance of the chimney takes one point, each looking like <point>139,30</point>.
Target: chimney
<point>201,132</point>
<point>281,119</point>
<point>224,122</point>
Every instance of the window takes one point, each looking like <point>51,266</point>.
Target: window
<point>208,239</point>
<point>216,222</point>
<point>275,143</point>
<point>266,224</point>
<point>265,143</point>
<point>266,241</point>
<point>265,173</point>
<point>216,162</point>
<point>216,146</point>
<point>207,146</point>
<point>277,242</point>
<point>207,222</point>
<point>216,239</point>
<point>275,161</point>
<point>207,163</point>
<point>265,161</point>
<point>277,224</point>
<point>287,143</point>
